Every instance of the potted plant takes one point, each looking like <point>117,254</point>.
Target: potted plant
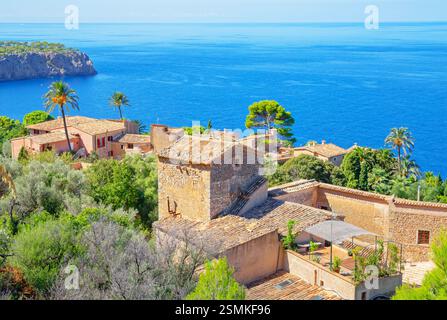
<point>350,252</point>
<point>336,264</point>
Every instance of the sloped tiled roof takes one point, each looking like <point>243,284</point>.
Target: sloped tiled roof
<point>327,150</point>
<point>205,150</point>
<point>220,234</point>
<point>100,126</point>
<point>296,289</point>
<point>51,137</point>
<point>85,124</point>
<point>135,138</point>
<point>58,123</point>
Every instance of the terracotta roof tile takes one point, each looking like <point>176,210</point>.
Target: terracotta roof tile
<point>52,137</point>
<point>135,138</point>
<point>328,149</point>
<point>58,123</point>
<point>220,234</point>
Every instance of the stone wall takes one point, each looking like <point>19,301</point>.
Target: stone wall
<point>256,259</point>
<point>404,226</point>
<point>308,197</point>
<point>227,181</point>
<point>183,190</point>
<point>393,219</point>
<point>368,213</point>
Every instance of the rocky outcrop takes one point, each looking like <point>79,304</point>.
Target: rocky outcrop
<point>43,65</point>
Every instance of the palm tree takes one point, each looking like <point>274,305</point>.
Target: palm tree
<point>61,95</point>
<point>118,100</point>
<point>402,140</point>
<point>410,168</point>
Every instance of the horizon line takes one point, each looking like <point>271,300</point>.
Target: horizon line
<point>226,22</point>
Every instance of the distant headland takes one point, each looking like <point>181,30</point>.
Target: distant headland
<point>31,60</point>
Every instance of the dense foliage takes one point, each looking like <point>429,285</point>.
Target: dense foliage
<point>217,283</point>
<point>36,117</point>
<point>128,184</point>
<point>269,114</point>
<point>371,170</point>
<point>10,129</point>
<point>19,48</point>
<point>51,216</point>
<point>306,167</point>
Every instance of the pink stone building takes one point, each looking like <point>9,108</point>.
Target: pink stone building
<point>106,138</point>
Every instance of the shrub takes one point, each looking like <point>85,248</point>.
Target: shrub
<point>217,283</point>
<point>41,251</point>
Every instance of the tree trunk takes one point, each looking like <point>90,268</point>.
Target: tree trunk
<point>121,114</point>
<point>398,161</point>
<point>65,128</point>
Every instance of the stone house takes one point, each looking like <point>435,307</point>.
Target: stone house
<point>212,195</point>
<point>106,138</point>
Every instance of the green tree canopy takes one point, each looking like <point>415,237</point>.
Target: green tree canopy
<point>217,283</point>
<point>36,117</point>
<point>10,129</point>
<point>130,183</point>
<point>269,114</point>
<point>402,140</point>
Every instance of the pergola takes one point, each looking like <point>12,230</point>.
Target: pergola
<point>336,231</point>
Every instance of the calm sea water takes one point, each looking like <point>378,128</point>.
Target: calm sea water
<point>343,83</point>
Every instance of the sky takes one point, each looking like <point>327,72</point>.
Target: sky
<point>237,11</point>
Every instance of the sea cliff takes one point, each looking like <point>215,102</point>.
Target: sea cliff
<point>19,61</point>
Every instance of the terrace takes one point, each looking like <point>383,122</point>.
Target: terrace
<point>335,259</point>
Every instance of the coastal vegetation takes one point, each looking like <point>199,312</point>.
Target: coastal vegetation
<point>378,171</point>
<point>118,100</point>
<point>269,114</point>
<point>36,117</point>
<point>217,283</point>
<point>60,95</point>
<point>52,216</point>
<point>20,48</point>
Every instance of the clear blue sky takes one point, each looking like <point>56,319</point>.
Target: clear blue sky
<point>222,10</point>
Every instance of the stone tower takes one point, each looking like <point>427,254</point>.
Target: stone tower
<point>200,178</point>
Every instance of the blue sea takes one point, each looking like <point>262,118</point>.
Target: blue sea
<point>343,83</point>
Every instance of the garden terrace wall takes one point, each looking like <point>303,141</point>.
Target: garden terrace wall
<point>345,287</point>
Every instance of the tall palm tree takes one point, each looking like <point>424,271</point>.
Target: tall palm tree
<point>118,100</point>
<point>401,140</point>
<point>62,96</point>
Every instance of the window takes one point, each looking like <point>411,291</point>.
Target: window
<point>363,295</point>
<point>110,138</point>
<point>101,142</point>
<point>122,147</point>
<point>324,208</point>
<point>129,146</point>
<point>423,237</point>
<point>110,153</point>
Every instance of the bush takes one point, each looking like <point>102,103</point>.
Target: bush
<point>128,184</point>
<point>217,283</point>
<point>42,250</point>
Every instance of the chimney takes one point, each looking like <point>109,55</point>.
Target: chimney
<point>323,142</point>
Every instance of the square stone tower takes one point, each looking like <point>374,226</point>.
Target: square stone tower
<point>200,178</point>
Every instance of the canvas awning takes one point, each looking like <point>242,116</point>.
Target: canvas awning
<point>336,231</point>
